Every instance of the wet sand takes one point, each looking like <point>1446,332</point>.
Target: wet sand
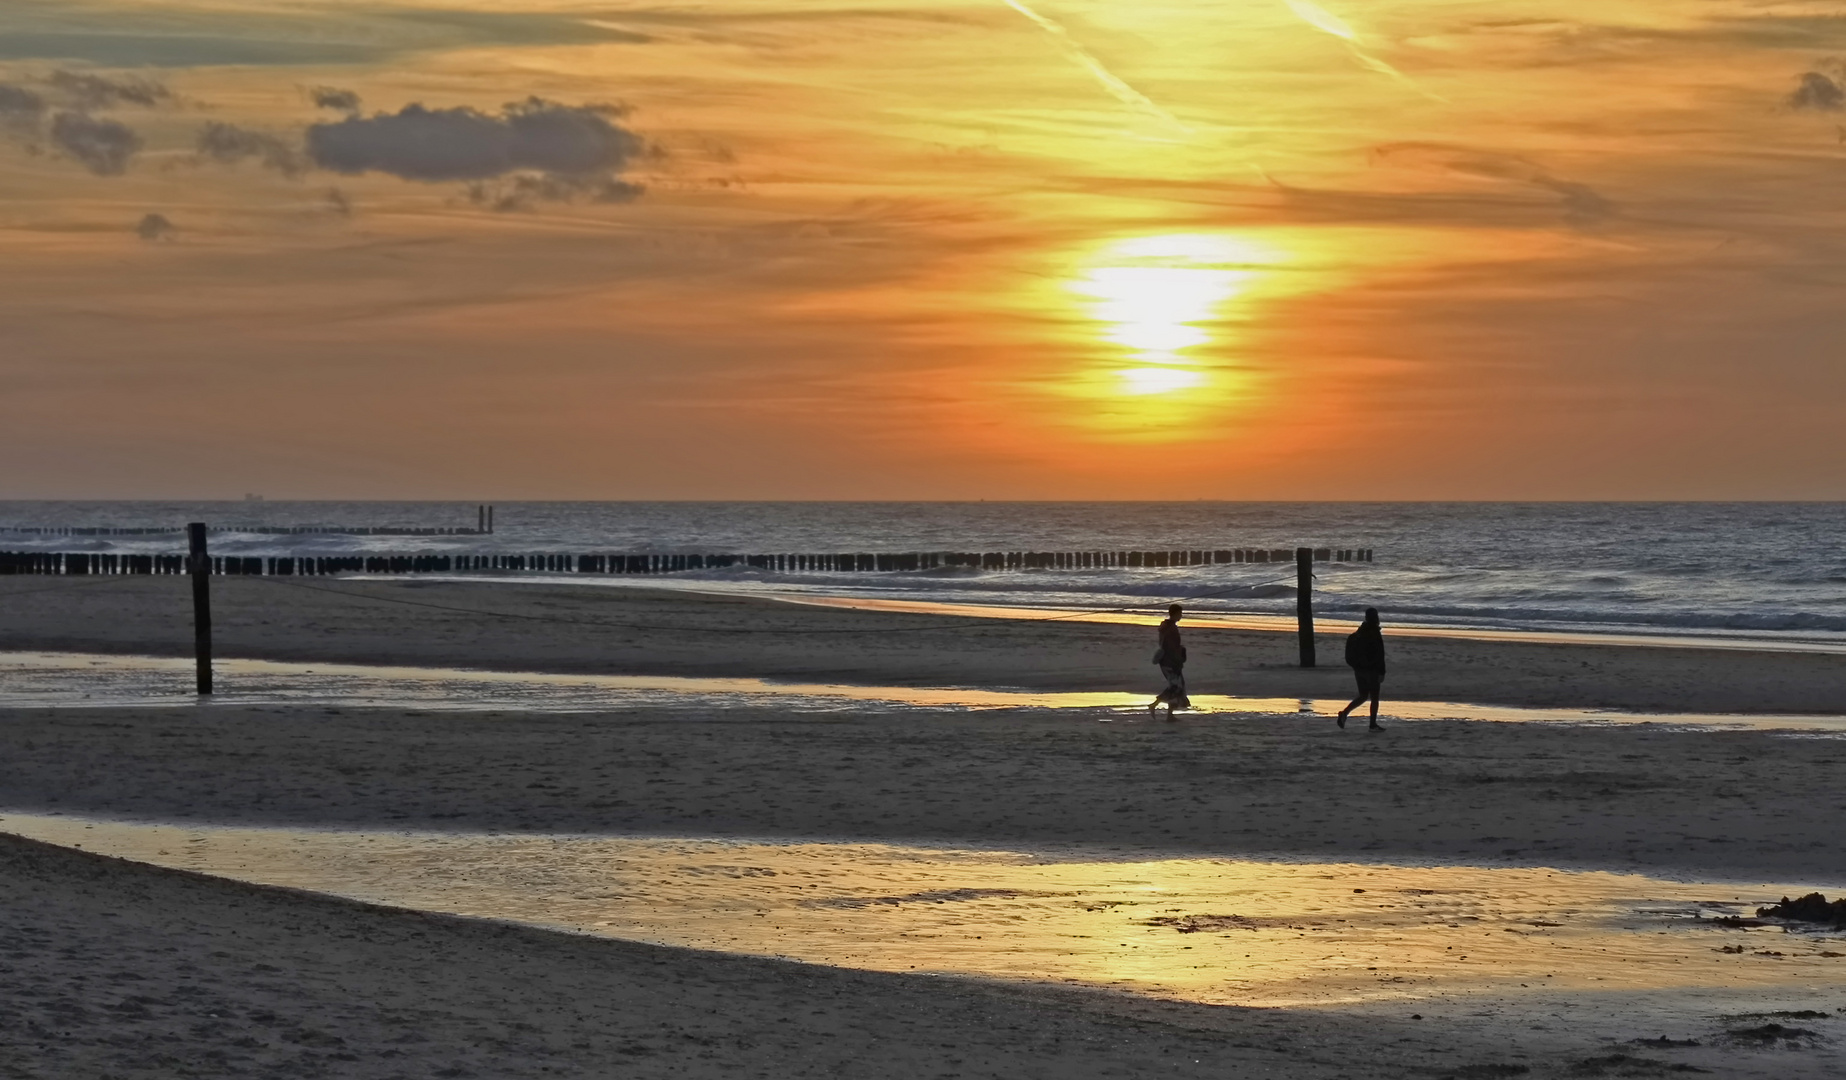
<point>126,964</point>
<point>118,969</point>
<point>1712,804</point>
<point>694,634</point>
<point>1216,931</point>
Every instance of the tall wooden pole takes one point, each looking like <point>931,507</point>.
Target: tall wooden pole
<point>199,563</point>
<point>1304,602</point>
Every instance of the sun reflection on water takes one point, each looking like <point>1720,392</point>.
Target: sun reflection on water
<point>1221,930</point>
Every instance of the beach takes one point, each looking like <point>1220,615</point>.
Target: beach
<point>1715,805</point>
<point>571,627</point>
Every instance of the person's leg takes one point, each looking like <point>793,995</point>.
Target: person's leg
<point>1355,702</point>
<point>1165,697</point>
<point>1377,685</point>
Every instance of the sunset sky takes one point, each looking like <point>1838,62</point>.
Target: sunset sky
<point>1141,249</point>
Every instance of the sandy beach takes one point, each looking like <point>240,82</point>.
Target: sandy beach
<point>586,628</point>
<point>121,959</point>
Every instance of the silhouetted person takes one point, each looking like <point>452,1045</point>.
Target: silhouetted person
<point>1171,657</point>
<point>1365,655</point>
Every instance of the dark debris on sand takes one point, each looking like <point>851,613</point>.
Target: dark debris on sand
<point>1812,908</point>
<point>1195,924</point>
<point>1629,1065</point>
<point>1769,1035</point>
<point>1491,1071</point>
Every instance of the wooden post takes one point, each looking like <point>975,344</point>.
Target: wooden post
<point>200,565</point>
<point>1304,602</point>
<point>490,517</point>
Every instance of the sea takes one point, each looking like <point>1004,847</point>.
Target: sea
<point>1762,572</point>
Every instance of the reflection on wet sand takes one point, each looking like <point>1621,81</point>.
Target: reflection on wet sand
<point>87,680</point>
<point>1209,930</point>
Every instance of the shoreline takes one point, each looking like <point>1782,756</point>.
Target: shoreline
<point>127,680</point>
<point>1630,636</point>
<point>569,630</point>
<point>1034,852</point>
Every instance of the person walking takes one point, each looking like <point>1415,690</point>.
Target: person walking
<point>1171,659</point>
<point>1365,655</point>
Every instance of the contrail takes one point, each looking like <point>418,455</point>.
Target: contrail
<point>1111,82</point>
<point>1327,22</point>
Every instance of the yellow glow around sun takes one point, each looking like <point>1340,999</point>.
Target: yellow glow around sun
<point>1160,299</point>
<point>1159,380</point>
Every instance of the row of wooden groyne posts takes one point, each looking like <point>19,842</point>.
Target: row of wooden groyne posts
<point>90,563</point>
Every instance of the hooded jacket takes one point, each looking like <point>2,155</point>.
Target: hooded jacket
<point>1365,648</point>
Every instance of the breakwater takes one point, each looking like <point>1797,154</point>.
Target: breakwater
<point>91,563</point>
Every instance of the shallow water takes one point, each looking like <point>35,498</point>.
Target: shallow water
<point>1766,571</point>
<point>1221,931</point>
<point>90,680</point>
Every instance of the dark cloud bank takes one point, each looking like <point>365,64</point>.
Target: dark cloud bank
<point>417,143</point>
<point>531,151</point>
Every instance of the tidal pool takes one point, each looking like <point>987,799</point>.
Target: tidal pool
<point>79,680</point>
<point>1224,931</point>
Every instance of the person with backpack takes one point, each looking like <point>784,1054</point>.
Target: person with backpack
<point>1365,655</point>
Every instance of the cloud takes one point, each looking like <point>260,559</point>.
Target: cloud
<point>416,143</point>
<point>523,190</point>
<point>99,92</point>
<point>339,203</point>
<point>331,97</point>
<point>531,152</point>
<point>228,144</point>
<point>155,227</point>
<point>1818,92</point>
<point>102,146</point>
<point>20,107</point>
<point>1581,203</point>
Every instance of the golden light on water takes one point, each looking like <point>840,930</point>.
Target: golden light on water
<point>1224,931</point>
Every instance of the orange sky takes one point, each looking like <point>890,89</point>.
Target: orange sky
<point>1015,249</point>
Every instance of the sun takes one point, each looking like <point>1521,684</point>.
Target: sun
<point>1159,303</point>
